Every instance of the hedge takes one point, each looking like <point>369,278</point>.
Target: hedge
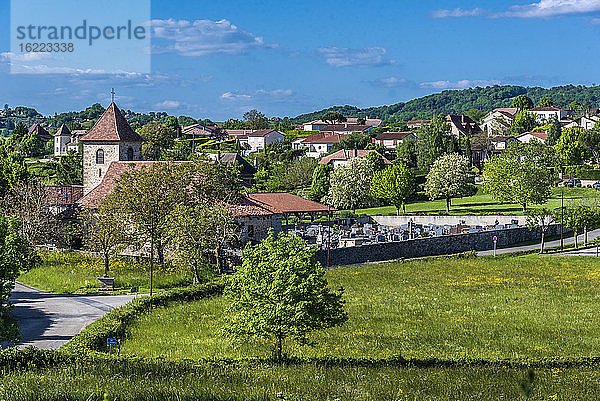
<point>582,172</point>
<point>114,324</point>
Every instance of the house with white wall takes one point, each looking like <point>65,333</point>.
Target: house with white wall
<point>527,137</point>
<point>317,145</point>
<point>497,121</point>
<point>259,139</point>
<point>543,114</point>
<point>389,140</point>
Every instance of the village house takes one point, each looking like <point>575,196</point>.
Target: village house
<point>389,140</point>
<point>497,121</point>
<point>62,138</point>
<point>585,122</point>
<point>543,114</point>
<point>416,124</point>
<point>259,139</point>
<point>320,125</point>
<point>41,132</point>
<point>462,126</point>
<point>317,145</point>
<point>527,137</point>
<point>245,169</point>
<point>342,157</point>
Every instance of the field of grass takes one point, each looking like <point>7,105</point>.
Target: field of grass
<point>523,308</point>
<point>73,273</point>
<point>481,203</point>
<point>162,380</point>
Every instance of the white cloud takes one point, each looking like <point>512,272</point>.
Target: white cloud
<point>344,57</point>
<point>392,82</point>
<point>168,104</point>
<point>457,12</point>
<point>541,9</point>
<point>274,95</point>
<point>462,84</point>
<point>204,37</point>
<point>551,8</point>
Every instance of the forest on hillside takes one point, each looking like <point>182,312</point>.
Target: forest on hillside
<point>461,101</point>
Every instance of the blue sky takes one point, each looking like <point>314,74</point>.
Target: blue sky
<point>218,59</point>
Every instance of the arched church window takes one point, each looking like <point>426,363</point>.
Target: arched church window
<point>100,156</point>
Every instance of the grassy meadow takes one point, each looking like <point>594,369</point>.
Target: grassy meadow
<point>75,273</point>
<point>519,309</point>
<point>163,380</point>
<point>480,204</point>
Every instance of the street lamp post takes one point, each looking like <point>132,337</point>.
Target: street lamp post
<point>562,215</point>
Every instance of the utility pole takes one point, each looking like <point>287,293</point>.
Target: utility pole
<point>562,215</point>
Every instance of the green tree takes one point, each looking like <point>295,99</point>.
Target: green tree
<point>546,102</point>
<point>69,170</point>
<point>32,145</point>
<point>145,198</point>
<point>524,122</point>
<point>280,292</point>
<point>554,130</point>
<point>395,185</point>
<point>199,232</point>
<point>435,140</point>
<point>158,139</point>
<point>522,102</point>
<point>406,151</point>
<point>590,141</point>
<point>320,182</point>
<point>104,231</point>
<point>521,175</point>
<point>333,117</point>
<point>172,125</point>
<point>354,140</point>
<point>569,148</point>
<point>449,177</point>
<point>256,120</point>
<point>540,218</point>
<point>12,171</point>
<point>350,185</point>
<point>299,173</point>
<point>15,257</point>
<point>577,216</point>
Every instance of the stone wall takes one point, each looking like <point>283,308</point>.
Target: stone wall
<point>443,245</point>
<point>93,172</point>
<point>396,221</point>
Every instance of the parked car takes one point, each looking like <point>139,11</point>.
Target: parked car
<point>573,182</point>
<point>596,185</point>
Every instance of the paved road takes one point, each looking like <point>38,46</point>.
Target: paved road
<point>48,320</point>
<point>568,239</point>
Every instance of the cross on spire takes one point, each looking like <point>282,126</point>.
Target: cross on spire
<point>112,95</point>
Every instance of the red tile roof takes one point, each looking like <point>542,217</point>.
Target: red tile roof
<point>112,126</point>
<point>344,128</point>
<point>546,109</point>
<point>40,131</point>
<point>323,137</point>
<point>345,154</point>
<point>392,136</point>
<point>541,135</point>
<point>263,132</point>
<point>284,202</point>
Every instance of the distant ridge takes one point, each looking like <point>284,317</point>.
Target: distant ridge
<point>460,101</point>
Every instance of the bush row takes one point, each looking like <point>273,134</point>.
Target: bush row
<point>583,172</point>
<point>114,324</point>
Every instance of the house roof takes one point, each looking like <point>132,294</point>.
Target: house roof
<point>463,123</point>
<point>323,137</point>
<point>372,122</point>
<point>345,154</point>
<point>511,111</point>
<point>112,126</point>
<point>541,135</point>
<point>63,131</point>
<point>284,202</point>
<point>39,131</point>
<point>234,158</point>
<point>345,127</point>
<point>392,136</point>
<point>415,122</point>
<point>263,132</point>
<point>93,198</point>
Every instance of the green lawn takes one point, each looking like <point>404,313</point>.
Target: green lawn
<point>160,380</point>
<point>481,203</point>
<point>508,308</point>
<point>72,273</point>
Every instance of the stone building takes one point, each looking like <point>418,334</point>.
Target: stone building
<point>111,139</point>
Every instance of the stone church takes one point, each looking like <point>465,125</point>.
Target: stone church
<point>111,139</point>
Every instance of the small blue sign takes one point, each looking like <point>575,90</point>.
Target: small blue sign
<point>111,341</point>
<point>495,238</point>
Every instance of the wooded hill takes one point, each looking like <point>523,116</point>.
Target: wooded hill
<point>461,101</point>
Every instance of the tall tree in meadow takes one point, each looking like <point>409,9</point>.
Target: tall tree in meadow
<point>320,182</point>
<point>569,148</point>
<point>521,175</point>
<point>333,117</point>
<point>254,119</point>
<point>145,198</point>
<point>158,139</point>
<point>435,140</point>
<point>280,292</point>
<point>540,219</point>
<point>449,177</point>
<point>350,185</point>
<point>394,185</point>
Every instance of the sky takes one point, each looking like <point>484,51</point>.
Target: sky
<point>219,59</point>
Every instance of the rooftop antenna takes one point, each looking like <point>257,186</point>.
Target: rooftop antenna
<point>112,95</point>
